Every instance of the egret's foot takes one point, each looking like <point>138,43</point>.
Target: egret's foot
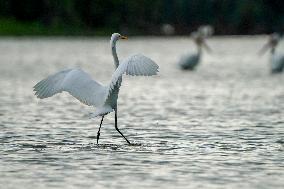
<point>135,144</point>
<point>127,141</point>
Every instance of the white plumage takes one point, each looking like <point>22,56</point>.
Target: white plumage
<point>88,91</point>
<point>277,62</point>
<point>135,65</point>
<point>190,61</point>
<point>74,81</point>
<point>277,58</point>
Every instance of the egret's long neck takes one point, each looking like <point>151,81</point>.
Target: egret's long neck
<point>114,54</point>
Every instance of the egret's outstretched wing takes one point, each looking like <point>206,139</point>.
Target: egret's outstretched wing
<point>76,82</point>
<point>135,65</point>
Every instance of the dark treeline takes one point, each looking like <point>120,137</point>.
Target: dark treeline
<point>141,16</point>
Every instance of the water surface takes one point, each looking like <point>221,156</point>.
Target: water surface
<point>221,126</point>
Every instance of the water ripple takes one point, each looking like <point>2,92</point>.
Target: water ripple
<point>218,127</point>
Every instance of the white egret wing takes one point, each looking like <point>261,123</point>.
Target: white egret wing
<point>135,65</point>
<point>74,81</point>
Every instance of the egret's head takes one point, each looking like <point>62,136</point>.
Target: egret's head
<point>271,44</point>
<point>206,30</point>
<point>197,38</point>
<point>115,37</point>
<point>200,41</point>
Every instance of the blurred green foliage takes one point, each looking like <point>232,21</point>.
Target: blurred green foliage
<point>100,17</point>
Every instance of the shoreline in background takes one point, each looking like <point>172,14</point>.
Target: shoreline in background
<point>13,28</point>
<point>132,36</point>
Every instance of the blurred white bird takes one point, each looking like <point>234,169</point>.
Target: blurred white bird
<point>206,30</point>
<point>276,59</point>
<point>167,29</point>
<point>88,91</point>
<point>190,61</point>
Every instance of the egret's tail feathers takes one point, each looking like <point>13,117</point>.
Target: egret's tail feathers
<point>101,111</point>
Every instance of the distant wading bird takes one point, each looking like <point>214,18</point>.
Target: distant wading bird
<point>88,91</point>
<point>190,61</point>
<point>276,59</point>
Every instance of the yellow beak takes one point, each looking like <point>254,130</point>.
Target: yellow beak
<point>123,37</point>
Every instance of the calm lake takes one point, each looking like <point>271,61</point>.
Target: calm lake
<point>221,126</point>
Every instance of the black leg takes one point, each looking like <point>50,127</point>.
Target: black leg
<point>98,134</point>
<point>118,129</point>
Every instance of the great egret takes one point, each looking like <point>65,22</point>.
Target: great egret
<point>88,91</point>
<point>190,61</point>
<point>276,59</point>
